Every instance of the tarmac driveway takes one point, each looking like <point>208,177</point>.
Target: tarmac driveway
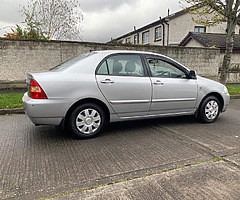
<point>38,162</point>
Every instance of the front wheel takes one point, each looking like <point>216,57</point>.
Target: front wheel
<point>209,109</point>
<point>86,121</point>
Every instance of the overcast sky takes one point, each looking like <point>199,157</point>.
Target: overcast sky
<point>103,19</point>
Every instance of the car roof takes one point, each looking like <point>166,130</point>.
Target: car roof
<point>127,51</point>
<point>109,52</point>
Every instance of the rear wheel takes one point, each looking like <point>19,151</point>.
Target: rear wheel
<point>86,121</point>
<point>209,109</point>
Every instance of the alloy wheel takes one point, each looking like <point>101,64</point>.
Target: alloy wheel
<point>211,110</point>
<point>88,121</point>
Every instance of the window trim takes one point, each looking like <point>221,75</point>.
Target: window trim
<point>155,34</point>
<point>180,67</point>
<point>128,40</point>
<point>200,27</point>
<point>136,39</point>
<point>145,70</point>
<point>145,32</point>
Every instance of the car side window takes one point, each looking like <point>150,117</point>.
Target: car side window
<point>122,65</point>
<point>103,69</point>
<point>163,69</point>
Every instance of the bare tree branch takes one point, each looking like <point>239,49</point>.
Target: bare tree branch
<point>60,19</point>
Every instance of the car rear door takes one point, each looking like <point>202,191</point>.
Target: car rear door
<point>173,92</point>
<point>123,82</point>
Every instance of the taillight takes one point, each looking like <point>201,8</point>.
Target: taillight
<point>35,91</point>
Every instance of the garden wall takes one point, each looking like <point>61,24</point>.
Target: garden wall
<point>17,57</point>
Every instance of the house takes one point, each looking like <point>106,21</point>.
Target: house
<point>169,31</point>
<point>217,40</point>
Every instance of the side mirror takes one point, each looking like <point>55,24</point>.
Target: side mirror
<point>192,74</point>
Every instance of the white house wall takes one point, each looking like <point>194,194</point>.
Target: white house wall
<point>179,27</point>
<point>151,37</point>
<point>193,43</point>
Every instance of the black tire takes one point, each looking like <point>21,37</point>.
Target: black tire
<point>209,109</point>
<point>86,121</point>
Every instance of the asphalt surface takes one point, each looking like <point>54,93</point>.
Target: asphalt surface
<point>171,158</point>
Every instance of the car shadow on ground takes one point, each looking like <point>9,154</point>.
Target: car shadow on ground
<point>60,133</point>
<point>118,126</point>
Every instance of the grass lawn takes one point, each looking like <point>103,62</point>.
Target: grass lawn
<point>234,89</point>
<point>11,100</point>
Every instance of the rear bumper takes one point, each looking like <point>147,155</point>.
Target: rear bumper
<point>44,111</point>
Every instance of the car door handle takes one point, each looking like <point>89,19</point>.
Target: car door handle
<point>107,81</point>
<point>158,82</point>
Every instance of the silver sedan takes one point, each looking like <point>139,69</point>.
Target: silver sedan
<point>88,91</point>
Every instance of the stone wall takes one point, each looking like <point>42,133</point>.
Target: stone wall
<point>234,72</point>
<point>17,57</point>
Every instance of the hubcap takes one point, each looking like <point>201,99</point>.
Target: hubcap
<point>88,121</point>
<point>211,110</point>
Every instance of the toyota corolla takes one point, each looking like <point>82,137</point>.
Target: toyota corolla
<point>92,89</point>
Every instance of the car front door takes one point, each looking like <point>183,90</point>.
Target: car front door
<point>173,92</point>
<point>123,82</point>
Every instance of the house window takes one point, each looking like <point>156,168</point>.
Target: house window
<point>120,41</point>
<point>158,33</point>
<point>128,40</point>
<point>145,37</point>
<point>200,29</point>
<point>135,39</point>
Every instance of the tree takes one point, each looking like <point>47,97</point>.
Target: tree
<point>210,12</point>
<point>58,19</point>
<point>30,32</point>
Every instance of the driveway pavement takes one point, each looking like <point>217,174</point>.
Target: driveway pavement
<point>152,159</point>
<point>211,180</point>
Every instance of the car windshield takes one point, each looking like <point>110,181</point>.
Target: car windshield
<point>71,61</point>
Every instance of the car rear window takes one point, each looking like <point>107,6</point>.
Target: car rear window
<point>71,61</point>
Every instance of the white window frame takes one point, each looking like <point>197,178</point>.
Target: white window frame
<point>145,37</point>
<point>199,29</point>
<point>128,40</point>
<point>135,39</point>
<point>158,33</point>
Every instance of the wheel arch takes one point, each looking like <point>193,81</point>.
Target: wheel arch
<point>89,100</point>
<point>215,94</point>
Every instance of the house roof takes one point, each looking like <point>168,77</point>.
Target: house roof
<point>155,23</point>
<point>211,40</point>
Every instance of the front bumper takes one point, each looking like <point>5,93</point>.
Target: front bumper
<point>226,100</point>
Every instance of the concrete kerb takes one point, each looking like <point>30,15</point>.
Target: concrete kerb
<point>12,85</point>
<point>235,97</point>
<point>13,111</point>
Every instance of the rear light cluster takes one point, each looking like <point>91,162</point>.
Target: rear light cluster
<point>35,91</point>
